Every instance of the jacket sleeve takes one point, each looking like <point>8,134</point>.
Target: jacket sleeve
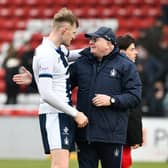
<point>131,89</point>
<point>73,75</point>
<point>134,130</point>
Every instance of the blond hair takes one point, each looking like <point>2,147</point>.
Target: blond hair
<point>65,15</point>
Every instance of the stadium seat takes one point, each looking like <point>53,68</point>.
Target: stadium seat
<point>91,12</point>
<point>17,3</point>
<point>2,86</point>
<point>145,23</point>
<point>137,11</point>
<point>20,12</point>
<point>34,13</point>
<point>35,39</point>
<point>124,12</point>
<point>74,96</point>
<point>106,12</point>
<point>3,2</point>
<point>120,2</point>
<point>32,3</point>
<point>2,73</point>
<point>135,2</point>
<point>79,12</point>
<point>92,2</point>
<point>46,12</point>
<point>152,2</point>
<point>107,2</point>
<point>6,12</point>
<point>152,11</point>
<point>20,24</point>
<point>6,36</point>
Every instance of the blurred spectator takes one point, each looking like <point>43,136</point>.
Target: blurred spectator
<point>156,95</point>
<point>26,61</point>
<point>150,70</point>
<point>11,65</point>
<point>165,13</point>
<point>151,37</point>
<point>163,57</point>
<point>165,105</point>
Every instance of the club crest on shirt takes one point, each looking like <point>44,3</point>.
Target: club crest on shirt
<point>66,131</point>
<point>42,68</point>
<point>113,72</point>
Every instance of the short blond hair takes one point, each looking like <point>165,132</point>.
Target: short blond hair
<point>65,15</point>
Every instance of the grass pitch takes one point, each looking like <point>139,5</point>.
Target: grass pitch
<point>73,164</point>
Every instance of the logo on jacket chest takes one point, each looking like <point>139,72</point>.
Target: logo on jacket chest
<point>113,72</point>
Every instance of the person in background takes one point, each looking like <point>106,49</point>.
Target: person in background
<point>26,61</point>
<point>127,47</point>
<point>108,86</point>
<point>11,65</point>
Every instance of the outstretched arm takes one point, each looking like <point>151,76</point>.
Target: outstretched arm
<point>74,55</point>
<point>23,78</point>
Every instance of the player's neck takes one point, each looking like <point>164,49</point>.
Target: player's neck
<point>54,39</point>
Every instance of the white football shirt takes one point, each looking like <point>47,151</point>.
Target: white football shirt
<point>51,74</point>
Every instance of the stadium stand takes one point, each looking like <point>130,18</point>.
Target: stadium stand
<point>28,20</point>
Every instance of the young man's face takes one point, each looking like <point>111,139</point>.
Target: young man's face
<point>131,52</point>
<point>100,47</point>
<point>69,34</point>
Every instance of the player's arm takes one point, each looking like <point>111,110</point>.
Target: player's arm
<point>45,87</point>
<point>23,78</point>
<point>48,96</point>
<point>72,55</point>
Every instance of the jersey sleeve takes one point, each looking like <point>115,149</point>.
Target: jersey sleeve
<point>45,85</point>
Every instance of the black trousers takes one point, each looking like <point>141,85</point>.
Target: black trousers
<point>109,154</point>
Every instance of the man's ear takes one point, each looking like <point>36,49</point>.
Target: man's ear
<point>111,46</point>
<point>63,29</point>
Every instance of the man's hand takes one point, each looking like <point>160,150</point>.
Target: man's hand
<point>23,78</point>
<point>135,146</point>
<point>81,119</point>
<point>101,100</point>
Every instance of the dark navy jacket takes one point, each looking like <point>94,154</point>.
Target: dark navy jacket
<point>117,77</point>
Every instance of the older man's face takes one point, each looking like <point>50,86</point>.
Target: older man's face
<point>100,47</point>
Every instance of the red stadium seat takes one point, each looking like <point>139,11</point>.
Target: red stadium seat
<point>124,12</point>
<point>80,12</point>
<point>92,2</point>
<point>107,2</point>
<point>2,73</point>
<point>6,36</point>
<point>120,2</point>
<point>135,2</point>
<point>20,12</point>
<point>145,23</point>
<point>106,12</point>
<point>74,96</point>
<point>34,13</point>
<point>17,3</point>
<point>152,2</point>
<point>32,3</point>
<point>152,11</point>
<point>6,12</point>
<point>2,86</point>
<point>91,12</point>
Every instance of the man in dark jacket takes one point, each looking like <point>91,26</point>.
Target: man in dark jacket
<point>134,131</point>
<point>108,85</point>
